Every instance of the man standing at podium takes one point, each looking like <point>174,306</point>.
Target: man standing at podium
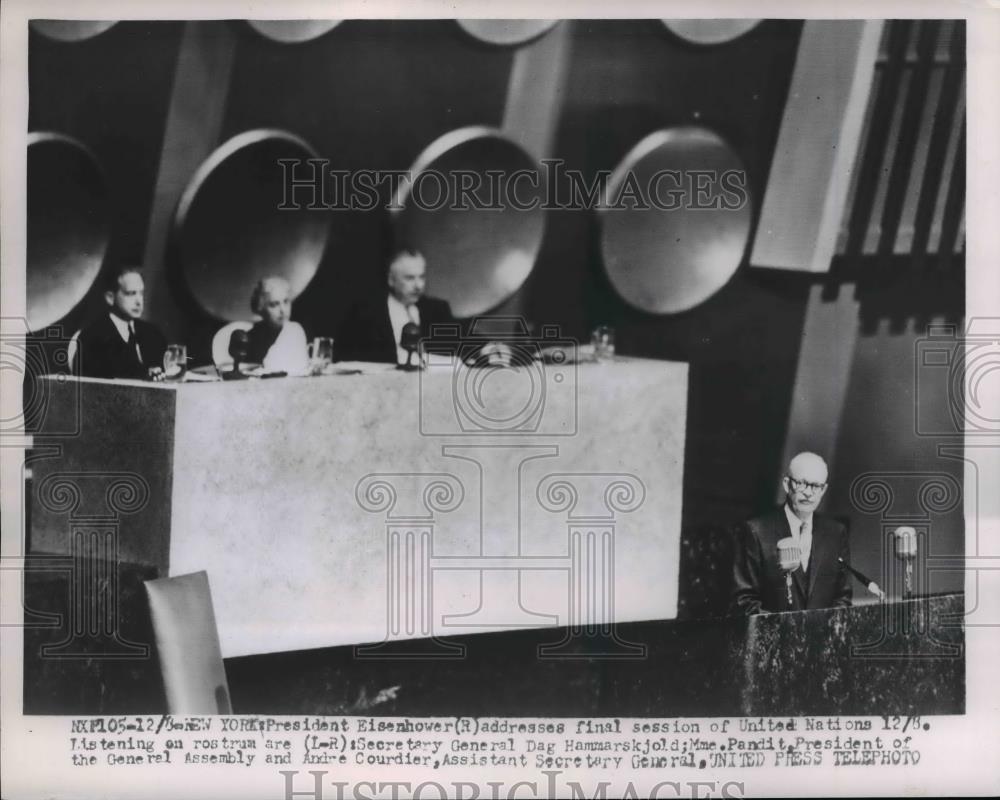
<point>119,344</point>
<point>761,582</point>
<point>373,329</point>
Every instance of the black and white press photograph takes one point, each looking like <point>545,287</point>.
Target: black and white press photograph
<point>393,396</point>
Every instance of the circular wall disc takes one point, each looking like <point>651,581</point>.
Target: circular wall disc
<point>681,250</point>
<point>476,257</point>
<point>68,226</point>
<point>229,231</point>
<point>710,31</point>
<point>70,30</point>
<point>293,31</point>
<point>507,32</point>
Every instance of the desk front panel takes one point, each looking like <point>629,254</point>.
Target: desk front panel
<point>358,508</point>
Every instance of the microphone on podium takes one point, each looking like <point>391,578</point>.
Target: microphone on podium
<point>239,348</point>
<point>789,556</point>
<point>867,582</point>
<point>409,340</point>
<point>906,551</point>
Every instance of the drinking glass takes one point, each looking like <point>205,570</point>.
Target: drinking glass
<point>603,339</point>
<point>175,361</point>
<point>320,354</point>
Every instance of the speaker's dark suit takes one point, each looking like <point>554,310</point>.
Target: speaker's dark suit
<point>102,353</point>
<point>759,581</point>
<point>366,334</point>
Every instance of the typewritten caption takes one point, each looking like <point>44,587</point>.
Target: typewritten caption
<point>606,744</point>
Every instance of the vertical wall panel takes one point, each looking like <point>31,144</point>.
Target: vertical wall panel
<point>535,91</point>
<point>817,145</point>
<point>873,230</point>
<point>822,376</point>
<point>194,118</point>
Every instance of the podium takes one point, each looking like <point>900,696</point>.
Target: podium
<point>903,658</point>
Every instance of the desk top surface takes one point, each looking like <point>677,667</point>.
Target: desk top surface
<point>346,371</point>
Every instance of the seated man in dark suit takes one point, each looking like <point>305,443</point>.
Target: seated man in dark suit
<point>372,329</point>
<point>119,344</point>
<point>818,581</point>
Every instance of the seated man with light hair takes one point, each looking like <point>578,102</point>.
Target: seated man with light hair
<point>276,342</point>
<point>373,328</point>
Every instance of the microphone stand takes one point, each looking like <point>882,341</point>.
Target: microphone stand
<point>906,551</point>
<point>864,580</point>
<point>239,346</point>
<point>789,556</point>
<point>409,366</point>
<point>409,340</point>
<point>234,374</point>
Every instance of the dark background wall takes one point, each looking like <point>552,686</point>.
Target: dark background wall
<point>111,93</point>
<point>372,94</point>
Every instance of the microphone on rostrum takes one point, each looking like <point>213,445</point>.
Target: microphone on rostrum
<point>409,339</point>
<point>239,347</point>
<point>867,582</point>
<point>906,551</point>
<point>789,556</point>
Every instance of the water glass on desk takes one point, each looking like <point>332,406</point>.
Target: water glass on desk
<point>603,339</point>
<point>174,362</point>
<point>320,354</point>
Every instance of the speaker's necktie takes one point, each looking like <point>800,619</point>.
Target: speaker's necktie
<point>805,543</point>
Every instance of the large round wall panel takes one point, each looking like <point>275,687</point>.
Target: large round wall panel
<point>68,226</point>
<point>477,257</point>
<point>710,31</point>
<point>70,30</point>
<point>507,32</point>
<point>675,220</point>
<point>293,31</point>
<point>229,230</point>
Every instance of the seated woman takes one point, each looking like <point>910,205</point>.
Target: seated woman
<point>277,342</point>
